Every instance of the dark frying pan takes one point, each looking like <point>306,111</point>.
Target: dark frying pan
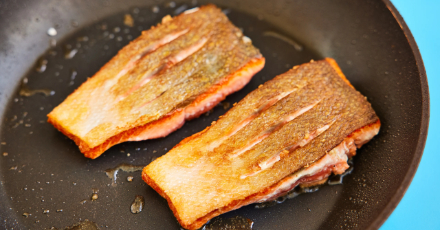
<point>47,179</point>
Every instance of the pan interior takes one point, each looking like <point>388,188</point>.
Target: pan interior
<point>46,182</point>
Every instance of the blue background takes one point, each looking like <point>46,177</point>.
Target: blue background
<point>420,207</point>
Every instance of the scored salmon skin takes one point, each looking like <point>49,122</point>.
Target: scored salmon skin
<point>296,129</point>
<point>173,72</point>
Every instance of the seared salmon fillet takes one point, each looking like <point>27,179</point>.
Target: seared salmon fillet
<point>173,72</point>
<point>296,129</point>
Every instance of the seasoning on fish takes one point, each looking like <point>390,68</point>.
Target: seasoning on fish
<point>173,72</point>
<point>296,129</point>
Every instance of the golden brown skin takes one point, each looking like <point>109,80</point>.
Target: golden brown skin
<point>292,122</point>
<point>160,74</point>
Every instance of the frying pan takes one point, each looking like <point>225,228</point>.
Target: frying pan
<point>45,177</point>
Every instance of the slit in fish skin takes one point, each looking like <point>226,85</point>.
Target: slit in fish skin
<point>263,165</point>
<point>257,112</point>
<point>168,64</point>
<point>177,50</point>
<point>145,51</point>
<point>272,129</point>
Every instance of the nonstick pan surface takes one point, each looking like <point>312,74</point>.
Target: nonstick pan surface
<point>46,182</point>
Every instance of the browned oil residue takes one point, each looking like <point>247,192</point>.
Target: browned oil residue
<point>26,92</point>
<point>113,172</point>
<point>226,105</point>
<point>138,204</point>
<point>128,20</point>
<point>237,222</point>
<point>83,225</point>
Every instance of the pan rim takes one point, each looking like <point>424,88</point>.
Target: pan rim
<point>424,124</point>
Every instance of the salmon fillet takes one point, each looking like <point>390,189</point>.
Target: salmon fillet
<point>173,72</point>
<point>296,129</point>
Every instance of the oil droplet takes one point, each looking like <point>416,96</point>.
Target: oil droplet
<point>112,173</point>
<point>69,52</point>
<point>26,92</point>
<point>128,20</point>
<point>73,74</point>
<point>41,65</point>
<point>103,27</point>
<point>130,178</point>
<point>5,154</point>
<point>138,204</point>
<point>52,31</point>
<point>171,4</point>
<point>155,9</point>
<point>237,222</point>
<point>94,196</point>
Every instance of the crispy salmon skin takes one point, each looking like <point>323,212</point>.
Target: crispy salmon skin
<point>296,129</point>
<point>173,72</point>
